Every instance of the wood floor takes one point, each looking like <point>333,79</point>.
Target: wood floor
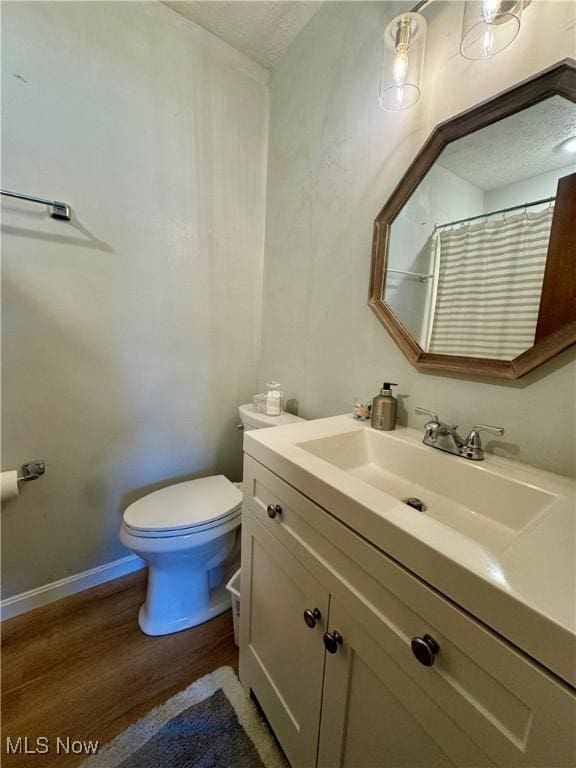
<point>82,668</point>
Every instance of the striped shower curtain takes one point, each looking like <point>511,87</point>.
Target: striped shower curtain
<point>487,286</point>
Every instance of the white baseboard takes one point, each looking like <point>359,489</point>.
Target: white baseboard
<point>14,606</point>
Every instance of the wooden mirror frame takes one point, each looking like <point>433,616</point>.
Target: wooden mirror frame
<point>556,327</point>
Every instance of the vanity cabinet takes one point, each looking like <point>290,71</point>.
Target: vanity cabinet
<point>341,686</point>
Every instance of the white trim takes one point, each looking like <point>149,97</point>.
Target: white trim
<point>26,601</point>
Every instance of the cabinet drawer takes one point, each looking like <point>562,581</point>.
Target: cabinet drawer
<point>512,709</point>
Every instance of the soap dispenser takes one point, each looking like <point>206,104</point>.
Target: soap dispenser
<point>384,407</point>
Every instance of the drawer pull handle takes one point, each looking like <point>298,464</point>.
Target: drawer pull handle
<point>332,640</point>
<point>273,510</point>
<point>311,617</point>
<point>425,649</point>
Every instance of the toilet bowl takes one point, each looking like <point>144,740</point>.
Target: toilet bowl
<point>189,536</point>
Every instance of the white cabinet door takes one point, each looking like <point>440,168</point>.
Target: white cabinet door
<point>375,716</point>
<point>281,658</point>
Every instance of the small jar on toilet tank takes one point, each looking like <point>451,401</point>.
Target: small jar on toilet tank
<point>274,396</point>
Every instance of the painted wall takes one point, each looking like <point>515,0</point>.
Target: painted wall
<point>527,190</point>
<point>334,159</point>
<point>130,334</point>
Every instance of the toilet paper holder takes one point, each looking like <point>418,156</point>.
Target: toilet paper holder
<point>32,470</point>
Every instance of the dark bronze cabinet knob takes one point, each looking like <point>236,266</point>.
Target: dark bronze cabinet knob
<point>273,510</point>
<point>311,617</point>
<point>425,649</point>
<point>332,640</point>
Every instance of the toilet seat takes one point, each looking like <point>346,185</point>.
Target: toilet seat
<point>163,533</point>
<point>185,508</point>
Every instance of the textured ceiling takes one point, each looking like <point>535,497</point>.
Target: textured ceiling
<point>518,147</point>
<point>261,29</point>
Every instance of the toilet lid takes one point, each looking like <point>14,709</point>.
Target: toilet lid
<point>184,505</point>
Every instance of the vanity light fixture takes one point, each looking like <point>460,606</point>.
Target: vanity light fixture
<point>404,43</point>
<point>489,26</point>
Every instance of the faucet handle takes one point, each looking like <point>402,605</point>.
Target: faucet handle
<point>498,431</point>
<point>472,449</point>
<point>424,411</point>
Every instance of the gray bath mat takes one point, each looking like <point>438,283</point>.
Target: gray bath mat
<point>212,724</point>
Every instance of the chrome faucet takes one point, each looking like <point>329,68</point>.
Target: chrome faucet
<point>445,437</point>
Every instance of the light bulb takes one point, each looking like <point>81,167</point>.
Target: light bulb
<point>490,10</point>
<point>489,26</point>
<point>487,42</point>
<point>401,72</point>
<point>400,67</point>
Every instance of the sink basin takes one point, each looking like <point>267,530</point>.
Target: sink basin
<point>490,509</point>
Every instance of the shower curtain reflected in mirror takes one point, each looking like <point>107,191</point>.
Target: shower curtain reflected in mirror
<point>487,286</point>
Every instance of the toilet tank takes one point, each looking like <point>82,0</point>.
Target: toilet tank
<point>252,420</point>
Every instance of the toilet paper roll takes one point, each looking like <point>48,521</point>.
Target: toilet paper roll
<point>9,485</point>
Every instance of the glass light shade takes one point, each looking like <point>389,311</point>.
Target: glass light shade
<point>489,26</point>
<point>404,44</point>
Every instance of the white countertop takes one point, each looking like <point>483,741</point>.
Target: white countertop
<point>525,590</point>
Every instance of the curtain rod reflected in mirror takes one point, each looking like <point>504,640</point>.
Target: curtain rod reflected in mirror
<point>522,206</point>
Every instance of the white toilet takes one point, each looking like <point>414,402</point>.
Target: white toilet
<point>189,535</point>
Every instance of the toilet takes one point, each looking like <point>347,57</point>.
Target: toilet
<point>189,536</point>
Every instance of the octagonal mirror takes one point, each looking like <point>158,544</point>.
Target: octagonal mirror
<point>474,254</point>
